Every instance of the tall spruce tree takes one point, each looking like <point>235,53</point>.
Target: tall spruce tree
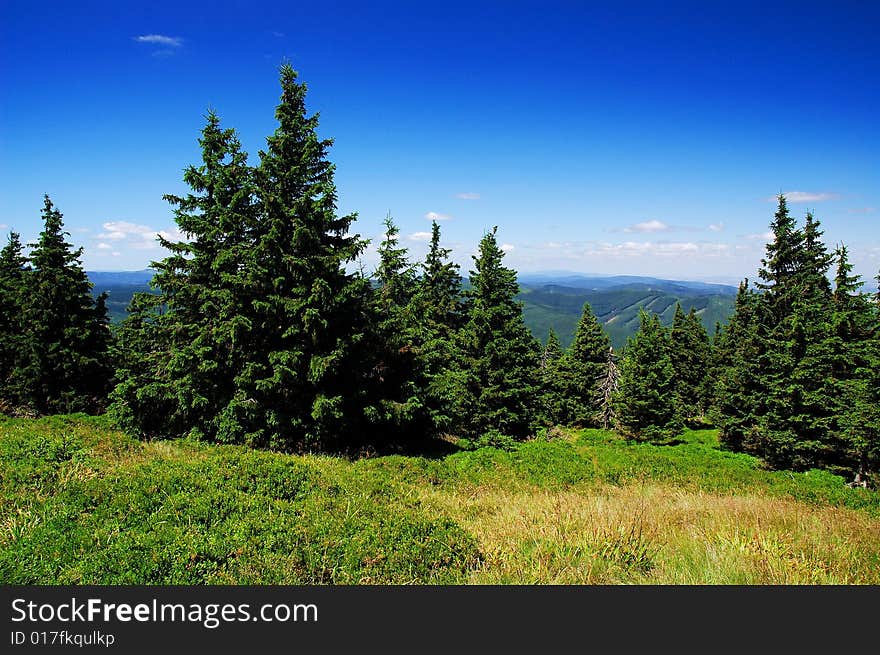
<point>438,314</point>
<point>13,265</point>
<point>66,363</point>
<point>579,371</point>
<point>690,358</point>
<point>500,356</point>
<point>312,379</point>
<point>205,328</point>
<point>646,402</point>
<point>796,428</point>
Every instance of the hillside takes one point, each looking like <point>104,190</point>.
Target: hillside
<point>557,303</point>
<point>84,504</point>
<point>550,300</point>
<point>120,287</point>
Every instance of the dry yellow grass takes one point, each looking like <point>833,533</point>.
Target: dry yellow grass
<point>657,534</point>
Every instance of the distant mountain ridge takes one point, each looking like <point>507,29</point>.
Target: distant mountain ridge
<point>551,300</point>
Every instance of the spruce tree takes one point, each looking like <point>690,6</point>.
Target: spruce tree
<point>401,376</point>
<point>646,402</point>
<point>12,328</point>
<point>783,260</point>
<point>551,392</point>
<point>855,388</point>
<point>66,362</point>
<point>738,393</point>
<point>690,357</point>
<point>206,325</point>
<point>438,315</point>
<point>500,360</point>
<point>312,380</point>
<point>579,371</point>
<point>796,429</point>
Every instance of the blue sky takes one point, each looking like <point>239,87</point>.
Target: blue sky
<point>643,138</point>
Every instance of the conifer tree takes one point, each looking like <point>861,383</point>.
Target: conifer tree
<point>550,383</point>
<point>12,329</point>
<point>855,388</point>
<point>66,362</point>
<point>796,428</point>
<point>401,374</point>
<point>312,380</point>
<point>438,316</point>
<point>646,403</point>
<point>205,327</point>
<point>783,260</point>
<point>500,356</point>
<point>738,393</point>
<point>579,371</point>
<point>690,358</point>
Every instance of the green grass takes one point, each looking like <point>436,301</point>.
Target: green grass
<point>84,504</point>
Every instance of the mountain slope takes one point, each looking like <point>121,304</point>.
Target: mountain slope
<point>616,303</point>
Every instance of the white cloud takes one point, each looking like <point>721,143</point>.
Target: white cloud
<point>420,236</point>
<point>160,39</point>
<point>116,253</point>
<point>140,237</point>
<point>805,196</point>
<point>862,210</point>
<point>642,248</point>
<point>435,216</point>
<point>648,226</point>
<point>716,227</point>
<point>507,247</point>
<point>104,246</point>
<point>468,195</point>
<point>577,251</point>
<point>763,236</point>
<point>3,226</point>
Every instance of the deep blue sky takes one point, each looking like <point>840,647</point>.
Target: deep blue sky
<point>616,138</point>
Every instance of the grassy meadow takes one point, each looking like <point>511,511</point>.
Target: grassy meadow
<point>84,504</point>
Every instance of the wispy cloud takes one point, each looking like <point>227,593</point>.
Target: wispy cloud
<point>806,196</point>
<point>716,227</point>
<point>648,226</point>
<point>435,216</point>
<point>579,250</point>
<point>468,195</point>
<point>656,248</point>
<point>507,247</point>
<point>420,236</point>
<point>160,39</point>
<point>140,237</point>
<point>104,246</point>
<point>763,236</point>
<point>3,226</point>
<point>861,210</point>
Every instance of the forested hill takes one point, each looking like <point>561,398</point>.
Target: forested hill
<point>556,302</point>
<point>120,287</point>
<point>551,300</point>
